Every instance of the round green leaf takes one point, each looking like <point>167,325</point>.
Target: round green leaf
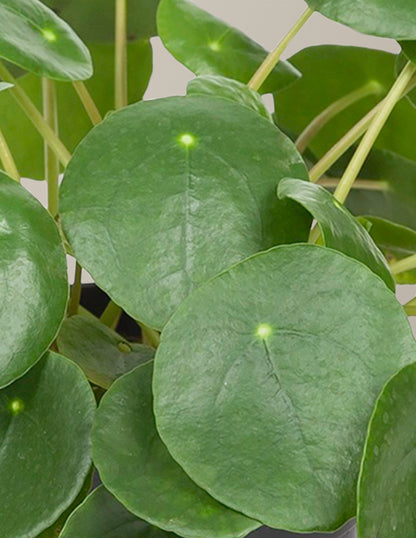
<point>232,90</point>
<point>136,467</point>
<point>45,426</point>
<point>266,377</point>
<point>141,20</point>
<point>102,354</point>
<point>340,229</point>
<point>185,189</point>
<point>74,123</point>
<point>102,516</point>
<point>208,46</point>
<point>376,17</point>
<point>387,481</point>
<point>351,68</point>
<point>33,283</point>
<point>34,38</point>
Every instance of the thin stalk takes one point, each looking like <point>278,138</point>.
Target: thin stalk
<point>7,160</point>
<point>73,306</point>
<point>273,58</point>
<point>121,96</point>
<point>35,117</point>
<point>312,130</point>
<point>111,315</point>
<point>150,336</point>
<point>407,264</point>
<point>370,137</point>
<point>88,102</point>
<point>410,307</point>
<point>50,114</point>
<point>361,184</point>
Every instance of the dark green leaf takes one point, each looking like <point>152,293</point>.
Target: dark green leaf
<point>33,283</point>
<point>102,516</point>
<point>376,17</point>
<point>344,70</point>
<point>136,467</point>
<point>185,189</point>
<point>45,426</point>
<point>266,378</point>
<point>34,38</point>
<point>103,354</point>
<point>233,90</point>
<point>25,142</point>
<point>340,229</point>
<point>388,475</point>
<point>208,46</point>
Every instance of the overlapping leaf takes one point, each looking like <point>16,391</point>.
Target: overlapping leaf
<point>45,425</point>
<point>208,46</point>
<point>33,283</point>
<point>185,189</point>
<point>279,361</point>
<point>137,468</point>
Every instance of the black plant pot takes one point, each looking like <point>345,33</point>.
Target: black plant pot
<point>96,300</point>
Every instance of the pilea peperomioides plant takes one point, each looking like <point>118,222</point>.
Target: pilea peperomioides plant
<point>271,379</point>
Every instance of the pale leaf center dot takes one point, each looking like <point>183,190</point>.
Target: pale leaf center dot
<point>264,330</point>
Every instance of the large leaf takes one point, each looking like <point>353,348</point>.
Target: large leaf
<point>45,425</point>
<point>340,229</point>
<point>102,354</point>
<point>376,17</point>
<point>136,467</point>
<point>350,68</point>
<point>74,123</point>
<point>94,19</point>
<point>386,494</point>
<point>102,516</point>
<point>266,377</point>
<point>185,189</point>
<point>34,38</point>
<point>208,46</point>
<point>33,283</point>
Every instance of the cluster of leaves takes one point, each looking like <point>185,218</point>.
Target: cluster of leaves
<point>280,390</point>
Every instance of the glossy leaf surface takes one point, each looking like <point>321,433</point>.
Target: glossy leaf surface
<point>45,425</point>
<point>33,283</point>
<point>340,229</point>
<point>387,482</point>
<point>233,90</point>
<point>350,68</point>
<point>102,354</point>
<point>209,46</point>
<point>376,17</point>
<point>186,189</point>
<point>279,361</point>
<point>74,123</point>
<point>34,38</point>
<point>136,467</point>
<point>102,516</point>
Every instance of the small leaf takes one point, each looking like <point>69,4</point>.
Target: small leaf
<point>186,189</point>
<point>33,37</point>
<point>376,17</point>
<point>137,468</point>
<point>208,46</point>
<point>45,426</point>
<point>232,90</point>
<point>33,284</point>
<point>102,354</point>
<point>266,378</point>
<point>102,516</point>
<point>340,229</point>
<point>387,481</point>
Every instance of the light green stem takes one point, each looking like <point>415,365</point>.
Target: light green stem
<point>407,264</point>
<point>111,315</point>
<point>312,130</point>
<point>370,137</point>
<point>410,307</point>
<point>273,58</point>
<point>361,184</point>
<point>51,161</point>
<point>88,102</point>
<point>35,117</point>
<point>7,160</point>
<point>150,336</point>
<point>75,299</point>
<point>121,96</point>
